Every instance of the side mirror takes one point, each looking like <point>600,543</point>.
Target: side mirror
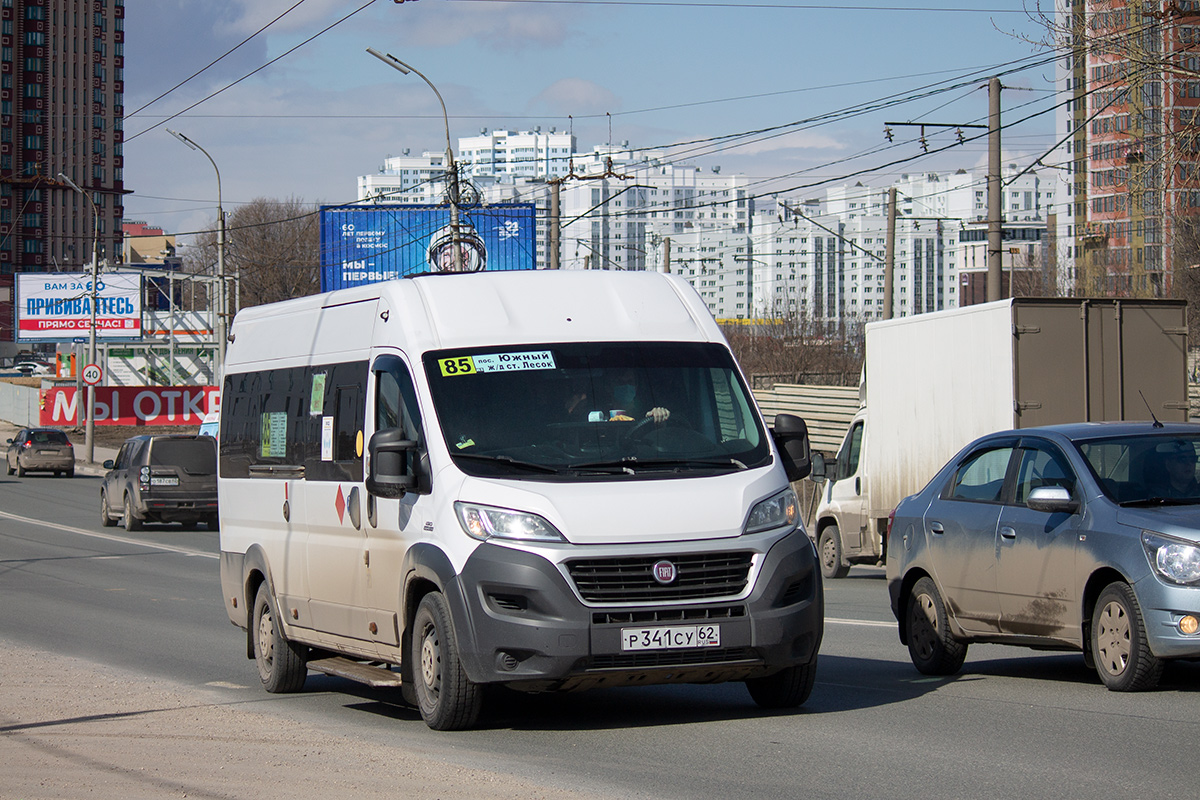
<point>791,437</point>
<point>391,454</point>
<point>109,464</point>
<point>818,474</point>
<point>1051,500</point>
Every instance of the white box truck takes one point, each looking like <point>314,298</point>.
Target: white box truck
<point>547,480</point>
<point>935,382</point>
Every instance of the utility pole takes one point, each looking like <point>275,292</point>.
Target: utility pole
<point>553,232</point>
<point>667,254</point>
<point>995,269</point>
<point>889,255</point>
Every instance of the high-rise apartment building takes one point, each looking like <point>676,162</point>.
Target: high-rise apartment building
<point>1131,74</point>
<point>61,111</point>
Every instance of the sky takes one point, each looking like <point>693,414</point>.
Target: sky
<point>300,109</point>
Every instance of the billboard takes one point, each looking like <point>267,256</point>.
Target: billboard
<point>132,405</point>
<point>363,244</point>
<point>57,306</point>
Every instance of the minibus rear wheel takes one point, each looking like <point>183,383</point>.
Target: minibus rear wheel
<point>282,665</point>
<point>448,699</point>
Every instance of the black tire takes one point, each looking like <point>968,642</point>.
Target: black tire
<point>20,469</point>
<point>788,688</point>
<point>106,519</point>
<point>212,522</point>
<point>282,665</point>
<point>132,523</point>
<point>1118,642</point>
<point>829,548</point>
<point>70,473</point>
<point>9,468</point>
<point>446,697</point>
<point>932,649</point>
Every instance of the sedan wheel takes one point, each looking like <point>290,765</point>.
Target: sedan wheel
<point>1119,648</point>
<point>932,649</point>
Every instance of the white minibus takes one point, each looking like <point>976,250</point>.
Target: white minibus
<point>548,480</point>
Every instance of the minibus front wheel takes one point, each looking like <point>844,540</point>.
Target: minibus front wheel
<point>447,698</point>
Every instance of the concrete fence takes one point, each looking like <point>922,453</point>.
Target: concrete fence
<point>826,409</point>
<point>19,405</point>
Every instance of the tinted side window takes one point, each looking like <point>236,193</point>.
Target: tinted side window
<point>981,476</point>
<point>193,456</point>
<point>299,416</point>
<point>1042,467</point>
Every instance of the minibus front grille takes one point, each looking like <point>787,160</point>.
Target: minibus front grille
<point>631,580</point>
<point>673,658</point>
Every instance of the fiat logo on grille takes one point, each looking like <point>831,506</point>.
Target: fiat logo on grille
<point>665,572</point>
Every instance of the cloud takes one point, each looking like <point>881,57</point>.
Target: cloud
<point>574,96</point>
<point>796,140</point>
<point>493,26</point>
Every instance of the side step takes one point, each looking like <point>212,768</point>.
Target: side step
<point>339,667</point>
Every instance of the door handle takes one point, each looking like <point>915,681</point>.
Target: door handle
<point>858,485</point>
<point>936,528</point>
<point>1007,533</point>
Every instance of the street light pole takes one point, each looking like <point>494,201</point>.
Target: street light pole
<point>90,426</point>
<point>452,177</point>
<point>223,292</point>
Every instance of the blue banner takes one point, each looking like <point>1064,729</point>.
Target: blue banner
<point>370,243</point>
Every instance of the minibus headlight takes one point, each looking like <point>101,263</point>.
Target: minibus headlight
<point>487,522</point>
<point>782,510</point>
<point>1174,560</point>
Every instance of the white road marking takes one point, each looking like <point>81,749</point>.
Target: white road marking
<point>867,622</point>
<point>110,537</point>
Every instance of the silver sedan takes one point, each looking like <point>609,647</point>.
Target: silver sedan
<point>1071,537</point>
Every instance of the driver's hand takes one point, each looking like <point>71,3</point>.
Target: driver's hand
<point>659,414</point>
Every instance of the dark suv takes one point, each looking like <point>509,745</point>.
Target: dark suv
<point>169,478</point>
<point>40,449</point>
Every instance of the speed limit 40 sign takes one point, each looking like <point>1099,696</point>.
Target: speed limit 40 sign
<point>92,374</point>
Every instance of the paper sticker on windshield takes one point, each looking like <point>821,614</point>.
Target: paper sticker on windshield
<point>497,362</point>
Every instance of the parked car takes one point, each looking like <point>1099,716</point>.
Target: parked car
<point>40,450</point>
<point>1068,537</point>
<point>165,478</point>
<point>33,368</point>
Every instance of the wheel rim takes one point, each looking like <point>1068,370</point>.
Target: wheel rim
<point>266,640</point>
<point>829,557</point>
<point>430,660</point>
<point>1112,639</point>
<point>923,626</point>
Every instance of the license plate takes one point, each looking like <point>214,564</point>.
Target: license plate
<point>164,481</point>
<point>671,638</point>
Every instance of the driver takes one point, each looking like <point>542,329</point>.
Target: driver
<point>626,400</point>
<point>1178,461</point>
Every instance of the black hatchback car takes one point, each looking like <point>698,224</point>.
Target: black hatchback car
<point>166,478</point>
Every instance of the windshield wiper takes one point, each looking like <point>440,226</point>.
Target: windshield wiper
<point>1147,502</point>
<point>512,462</point>
<point>631,464</point>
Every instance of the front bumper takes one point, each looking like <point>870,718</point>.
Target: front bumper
<point>521,623</point>
<point>1162,607</point>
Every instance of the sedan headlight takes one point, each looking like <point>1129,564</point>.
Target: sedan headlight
<point>487,522</point>
<point>782,510</point>
<point>1175,560</point>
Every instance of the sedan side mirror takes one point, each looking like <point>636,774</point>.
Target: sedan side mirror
<point>1052,500</point>
<point>108,464</point>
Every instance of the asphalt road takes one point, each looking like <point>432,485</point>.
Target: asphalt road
<point>1014,723</point>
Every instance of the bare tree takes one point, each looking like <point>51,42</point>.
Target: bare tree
<point>794,349</point>
<point>273,247</point>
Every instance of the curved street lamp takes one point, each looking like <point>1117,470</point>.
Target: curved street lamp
<point>89,441</point>
<point>452,170</point>
<point>223,294</point>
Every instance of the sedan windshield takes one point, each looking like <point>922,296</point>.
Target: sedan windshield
<point>1145,469</point>
<point>595,410</point>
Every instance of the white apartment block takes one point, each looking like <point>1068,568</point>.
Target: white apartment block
<point>816,259</point>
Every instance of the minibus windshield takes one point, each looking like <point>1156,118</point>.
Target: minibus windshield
<point>595,410</point>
